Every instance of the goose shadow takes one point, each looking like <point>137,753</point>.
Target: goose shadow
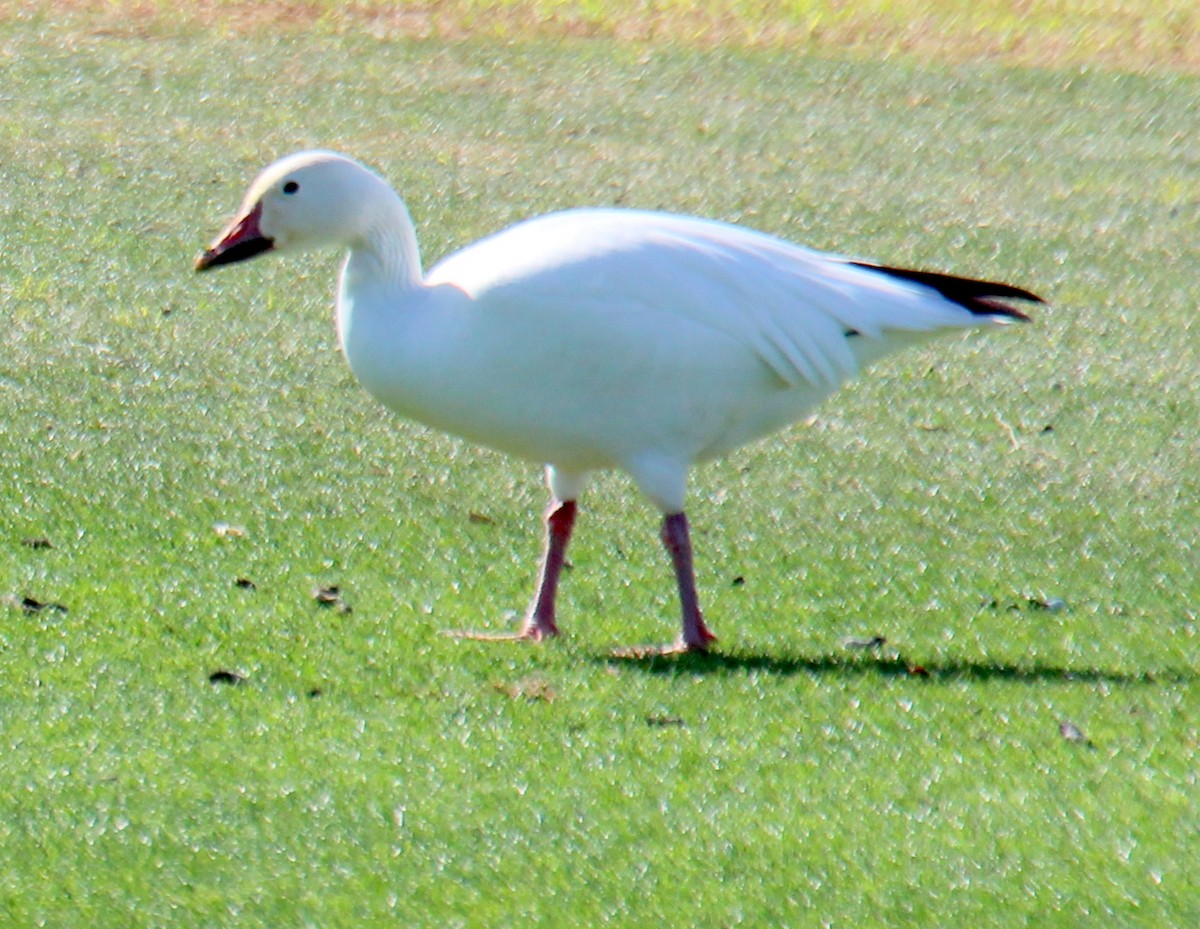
<point>890,666</point>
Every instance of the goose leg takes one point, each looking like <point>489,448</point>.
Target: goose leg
<point>539,621</point>
<point>695,636</point>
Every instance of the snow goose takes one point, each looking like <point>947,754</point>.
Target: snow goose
<point>596,338</point>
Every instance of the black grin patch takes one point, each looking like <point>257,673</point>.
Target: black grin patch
<point>247,248</point>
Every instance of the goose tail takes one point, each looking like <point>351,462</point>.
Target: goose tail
<point>982,298</point>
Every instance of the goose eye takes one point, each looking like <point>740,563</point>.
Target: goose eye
<point>290,187</point>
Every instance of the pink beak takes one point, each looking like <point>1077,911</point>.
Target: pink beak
<point>241,239</point>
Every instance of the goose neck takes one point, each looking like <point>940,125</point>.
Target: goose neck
<point>387,252</point>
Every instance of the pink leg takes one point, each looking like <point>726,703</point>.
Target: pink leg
<point>696,636</point>
<point>539,621</point>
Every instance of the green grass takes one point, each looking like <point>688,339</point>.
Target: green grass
<point>438,783</point>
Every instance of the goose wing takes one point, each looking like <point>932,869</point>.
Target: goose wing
<point>796,309</point>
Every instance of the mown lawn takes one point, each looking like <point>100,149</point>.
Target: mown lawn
<point>171,436</point>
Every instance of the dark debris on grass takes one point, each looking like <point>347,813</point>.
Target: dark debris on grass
<point>664,722</point>
<point>33,605</point>
<point>225,676</point>
<point>1027,603</point>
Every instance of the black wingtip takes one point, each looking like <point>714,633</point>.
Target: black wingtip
<point>983,298</point>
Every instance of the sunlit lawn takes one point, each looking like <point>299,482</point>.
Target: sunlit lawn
<point>200,460</point>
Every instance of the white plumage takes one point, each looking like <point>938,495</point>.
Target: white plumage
<point>596,338</point>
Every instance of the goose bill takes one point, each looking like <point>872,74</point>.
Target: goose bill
<point>242,239</point>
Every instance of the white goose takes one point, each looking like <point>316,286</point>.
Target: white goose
<point>596,338</point>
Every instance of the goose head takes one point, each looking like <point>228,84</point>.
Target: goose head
<point>306,201</point>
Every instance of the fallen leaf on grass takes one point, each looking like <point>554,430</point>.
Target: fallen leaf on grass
<point>481,519</point>
<point>875,641</point>
<point>1072,733</point>
<point>534,689</point>
<point>223,676</point>
<point>331,597</point>
<point>226,531</point>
